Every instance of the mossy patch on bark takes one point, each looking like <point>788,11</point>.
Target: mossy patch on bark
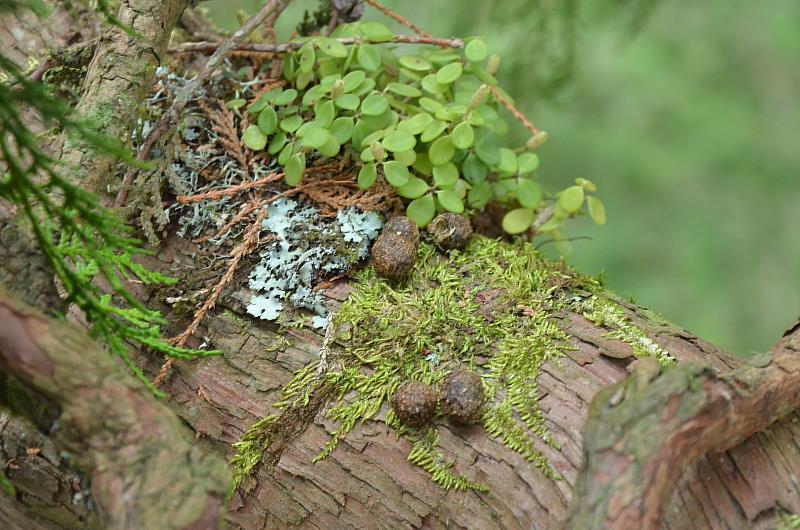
<point>492,308</point>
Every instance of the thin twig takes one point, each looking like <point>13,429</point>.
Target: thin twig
<point>274,7</point>
<point>244,213</point>
<point>399,18</point>
<point>215,195</point>
<point>515,112</point>
<point>542,218</point>
<point>284,47</point>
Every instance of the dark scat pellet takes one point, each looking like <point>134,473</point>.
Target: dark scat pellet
<point>462,397</point>
<point>414,403</point>
<point>450,231</point>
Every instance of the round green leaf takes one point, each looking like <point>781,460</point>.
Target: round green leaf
<point>571,199</point>
<point>422,210</point>
<point>517,221</point>
<point>347,102</point>
<point>596,210</point>
<point>587,185</point>
<point>325,113</point>
<point>313,94</point>
<point>445,115</point>
<point>463,135</point>
<point>474,170</point>
<point>254,139</point>
<point>292,123</point>
<point>330,148</point>
<point>413,62</point>
<point>528,162</point>
<point>374,105</point>
<point>489,154</point>
<point>416,123</point>
<point>461,187</point>
<point>342,129</point>
<point>508,161</point>
<point>449,73</point>
<point>450,201</point>
<point>365,87</point>
<point>295,167</point>
<point>267,120</point>
<point>285,97</point>
<point>376,32</point>
<point>316,138</point>
<point>479,195</point>
<point>401,89</point>
<point>236,103</point>
<point>307,126</point>
<point>303,80</point>
<point>277,143</point>
<point>445,176</point>
<point>433,130</point>
<point>307,58</point>
<point>332,47</point>
<point>443,57</point>
<point>442,151</point>
<point>397,141</point>
<point>264,100</point>
<point>529,192</point>
<point>369,58</point>
<point>367,155</point>
<point>353,80</point>
<point>430,84</point>
<point>406,158</point>
<point>416,187</point>
<point>286,153</point>
<point>396,173</point>
<point>367,176</point>
<point>423,164</point>
<point>431,105</point>
<point>476,51</point>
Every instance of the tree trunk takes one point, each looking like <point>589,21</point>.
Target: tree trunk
<point>367,481</point>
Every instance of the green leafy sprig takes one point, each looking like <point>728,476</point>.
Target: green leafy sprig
<point>427,121</point>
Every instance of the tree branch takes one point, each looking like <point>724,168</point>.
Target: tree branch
<point>645,430</point>
<point>144,472</point>
<point>118,78</point>
<point>285,47</point>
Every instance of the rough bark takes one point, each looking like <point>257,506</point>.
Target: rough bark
<point>643,431</point>
<point>118,78</point>
<point>366,482</point>
<point>144,471</point>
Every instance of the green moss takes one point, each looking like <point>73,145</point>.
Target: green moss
<point>604,312</point>
<point>490,308</point>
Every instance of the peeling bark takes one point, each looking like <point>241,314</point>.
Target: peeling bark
<point>645,430</point>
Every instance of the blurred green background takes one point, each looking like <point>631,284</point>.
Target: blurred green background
<point>685,114</point>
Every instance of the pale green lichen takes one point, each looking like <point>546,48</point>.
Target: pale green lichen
<point>489,308</point>
<point>604,312</point>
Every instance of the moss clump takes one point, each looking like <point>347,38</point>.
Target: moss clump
<point>452,313</point>
<point>604,312</point>
<point>490,308</point>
